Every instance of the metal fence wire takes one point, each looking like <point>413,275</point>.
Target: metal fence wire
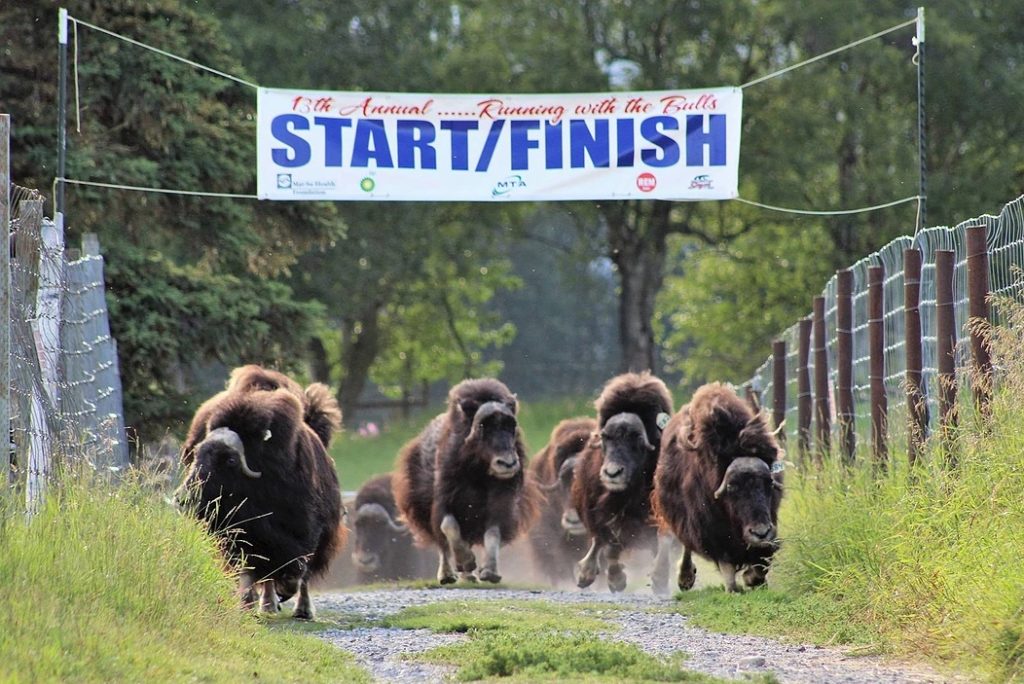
<point>1006,257</point>
<point>65,386</point>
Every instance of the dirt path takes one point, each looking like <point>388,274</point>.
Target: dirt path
<point>656,632</point>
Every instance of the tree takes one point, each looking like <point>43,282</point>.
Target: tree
<point>151,121</point>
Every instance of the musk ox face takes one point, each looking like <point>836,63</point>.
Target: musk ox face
<point>625,448</point>
<point>571,523</point>
<point>246,435</point>
<point>377,535</point>
<point>493,434</point>
<point>748,493</point>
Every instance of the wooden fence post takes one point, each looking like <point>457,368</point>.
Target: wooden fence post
<point>779,386</point>
<point>5,300</point>
<point>978,316</point>
<point>876,344</point>
<point>803,384</point>
<point>917,418</point>
<point>822,416</point>
<point>844,349</point>
<point>946,344</point>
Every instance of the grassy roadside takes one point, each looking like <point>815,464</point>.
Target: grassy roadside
<point>115,585</point>
<point>540,641</point>
<point>922,563</point>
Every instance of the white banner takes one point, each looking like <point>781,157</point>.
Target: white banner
<point>674,145</point>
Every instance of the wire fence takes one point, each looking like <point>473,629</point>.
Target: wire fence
<point>65,386</point>
<point>1005,243</point>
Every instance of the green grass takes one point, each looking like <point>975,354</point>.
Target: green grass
<point>360,458</point>
<point>922,563</point>
<point>536,640</point>
<point>115,585</point>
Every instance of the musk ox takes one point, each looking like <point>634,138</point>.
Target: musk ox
<point>460,482</point>
<point>383,547</point>
<point>716,486</point>
<point>615,474</point>
<point>261,477</point>
<point>558,538</point>
<point>320,409</point>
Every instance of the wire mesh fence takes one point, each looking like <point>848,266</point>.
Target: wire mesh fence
<point>65,387</point>
<point>1005,246</point>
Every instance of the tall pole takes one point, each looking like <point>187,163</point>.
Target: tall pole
<point>844,363</point>
<point>922,129</point>
<point>62,112</point>
<point>5,299</point>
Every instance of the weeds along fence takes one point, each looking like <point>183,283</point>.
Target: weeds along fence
<point>891,339</point>
<point>65,401</point>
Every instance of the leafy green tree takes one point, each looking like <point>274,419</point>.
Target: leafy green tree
<point>150,121</point>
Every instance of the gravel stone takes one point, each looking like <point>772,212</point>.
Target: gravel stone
<point>658,633</point>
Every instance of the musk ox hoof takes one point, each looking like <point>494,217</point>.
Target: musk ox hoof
<point>446,578</point>
<point>303,614</point>
<point>488,575</point>
<point>616,580</point>
<point>467,577</point>
<point>466,565</point>
<point>687,578</point>
<point>584,580</point>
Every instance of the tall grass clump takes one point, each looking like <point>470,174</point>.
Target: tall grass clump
<point>927,559</point>
<point>111,583</point>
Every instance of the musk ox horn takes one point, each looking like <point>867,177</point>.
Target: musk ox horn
<point>743,463</point>
<point>230,439</point>
<point>374,511</point>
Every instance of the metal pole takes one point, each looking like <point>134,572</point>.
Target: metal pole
<point>977,308</point>
<point>62,112</point>
<point>822,414</point>
<point>876,344</point>
<point>922,129</point>
<point>917,418</point>
<point>5,299</point>
<point>803,384</point>
<point>946,344</point>
<point>779,386</point>
<point>844,354</point>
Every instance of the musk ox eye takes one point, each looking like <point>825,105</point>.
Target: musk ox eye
<point>267,435</point>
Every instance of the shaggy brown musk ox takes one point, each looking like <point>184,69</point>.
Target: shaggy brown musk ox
<point>261,477</point>
<point>615,473</point>
<point>320,408</point>
<point>716,487</point>
<point>383,548</point>
<point>460,482</point>
<point>558,538</point>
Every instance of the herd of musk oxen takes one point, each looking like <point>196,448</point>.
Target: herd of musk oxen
<point>706,480</point>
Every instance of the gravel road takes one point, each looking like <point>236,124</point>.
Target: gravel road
<point>659,633</point>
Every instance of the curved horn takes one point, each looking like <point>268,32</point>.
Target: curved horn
<point>721,487</point>
<point>374,511</point>
<point>230,439</point>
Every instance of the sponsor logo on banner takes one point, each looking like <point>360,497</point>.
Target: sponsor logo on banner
<point>701,182</point>
<point>284,181</point>
<point>646,182</point>
<point>506,185</point>
<point>367,184</point>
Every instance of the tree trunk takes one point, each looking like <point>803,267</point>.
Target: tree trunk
<point>319,368</point>
<point>637,233</point>
<point>360,343</point>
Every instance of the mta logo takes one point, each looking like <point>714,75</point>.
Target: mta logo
<point>507,185</point>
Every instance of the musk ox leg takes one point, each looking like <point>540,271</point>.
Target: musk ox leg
<point>465,561</point>
<point>668,547</point>
<point>303,604</point>
<point>687,571</point>
<point>616,570</point>
<point>492,542</point>
<point>247,589</point>
<point>728,571</point>
<point>445,573</point>
<point>268,597</point>
<point>587,568</point>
